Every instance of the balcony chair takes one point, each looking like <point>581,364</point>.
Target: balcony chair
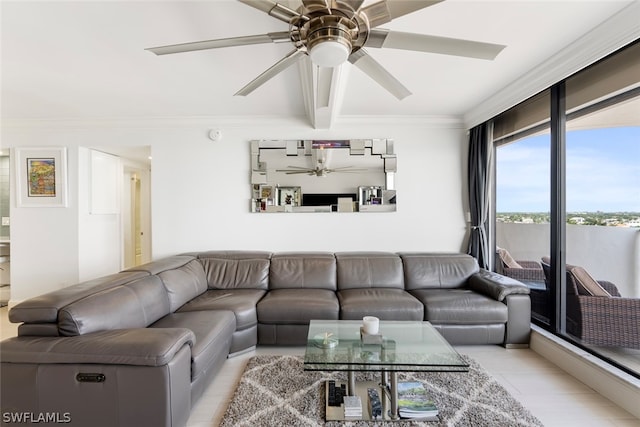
<point>596,312</point>
<point>530,273</point>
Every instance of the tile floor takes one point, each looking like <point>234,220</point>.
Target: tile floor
<point>556,398</point>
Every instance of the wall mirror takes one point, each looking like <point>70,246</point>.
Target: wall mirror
<point>356,175</point>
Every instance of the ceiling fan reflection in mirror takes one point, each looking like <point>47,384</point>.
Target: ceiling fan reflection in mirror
<point>332,32</point>
<point>321,168</point>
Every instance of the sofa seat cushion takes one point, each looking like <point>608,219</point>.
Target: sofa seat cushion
<point>241,301</point>
<point>298,306</point>
<point>460,307</point>
<point>213,331</point>
<point>384,303</point>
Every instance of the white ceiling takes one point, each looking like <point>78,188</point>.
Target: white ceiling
<point>85,60</point>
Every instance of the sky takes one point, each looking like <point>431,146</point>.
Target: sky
<point>603,172</point>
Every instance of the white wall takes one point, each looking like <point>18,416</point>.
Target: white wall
<point>44,241</point>
<point>201,192</point>
<point>99,220</point>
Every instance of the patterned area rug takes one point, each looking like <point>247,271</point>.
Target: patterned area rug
<point>273,389</point>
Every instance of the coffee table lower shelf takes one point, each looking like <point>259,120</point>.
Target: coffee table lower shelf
<point>336,413</point>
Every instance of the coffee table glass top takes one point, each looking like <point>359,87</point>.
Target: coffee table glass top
<point>406,346</point>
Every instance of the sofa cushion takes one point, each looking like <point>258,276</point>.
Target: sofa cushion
<point>425,270</point>
<point>233,254</point>
<point>460,307</point>
<point>298,306</point>
<point>134,305</point>
<point>44,308</point>
<point>169,263</point>
<point>359,270</point>
<point>303,270</point>
<point>386,304</point>
<point>184,283</point>
<point>241,301</point>
<point>212,330</point>
<point>234,273</point>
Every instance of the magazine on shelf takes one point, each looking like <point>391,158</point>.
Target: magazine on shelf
<point>413,401</point>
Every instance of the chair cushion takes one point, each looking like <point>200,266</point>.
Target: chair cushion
<point>213,331</point>
<point>298,306</point>
<point>507,259</point>
<point>460,307</point>
<point>241,301</point>
<point>384,303</point>
<point>588,283</point>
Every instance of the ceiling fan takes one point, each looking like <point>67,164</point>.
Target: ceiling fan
<point>332,32</point>
<point>321,166</point>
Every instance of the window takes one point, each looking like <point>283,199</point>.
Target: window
<point>588,172</point>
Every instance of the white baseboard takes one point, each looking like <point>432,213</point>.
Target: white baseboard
<point>612,383</point>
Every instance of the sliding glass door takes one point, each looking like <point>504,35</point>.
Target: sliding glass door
<point>522,215</point>
<point>567,199</point>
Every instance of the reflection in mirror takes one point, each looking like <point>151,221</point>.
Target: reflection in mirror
<point>323,175</point>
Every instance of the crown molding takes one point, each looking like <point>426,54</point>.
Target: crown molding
<point>611,35</point>
<point>229,122</point>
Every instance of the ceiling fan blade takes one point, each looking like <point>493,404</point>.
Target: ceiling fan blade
<point>313,5</point>
<point>227,42</point>
<point>377,72</point>
<point>433,44</point>
<point>291,58</point>
<point>274,9</point>
<point>293,167</point>
<point>384,11</point>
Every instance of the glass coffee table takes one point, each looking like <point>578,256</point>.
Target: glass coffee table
<point>402,346</point>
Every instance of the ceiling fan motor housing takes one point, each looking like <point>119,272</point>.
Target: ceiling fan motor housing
<point>329,40</point>
<point>329,35</point>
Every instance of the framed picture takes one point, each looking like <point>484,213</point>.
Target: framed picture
<point>288,196</point>
<point>266,192</point>
<point>41,177</point>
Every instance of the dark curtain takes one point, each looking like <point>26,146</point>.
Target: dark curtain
<point>479,180</point>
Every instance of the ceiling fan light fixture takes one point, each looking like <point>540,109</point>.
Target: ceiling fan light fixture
<point>329,53</point>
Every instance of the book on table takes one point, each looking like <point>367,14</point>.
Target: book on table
<point>352,406</point>
<point>413,401</point>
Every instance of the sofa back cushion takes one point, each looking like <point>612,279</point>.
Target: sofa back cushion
<point>359,270</point>
<point>303,270</point>
<point>158,266</point>
<point>236,269</point>
<point>134,305</point>
<point>184,283</point>
<point>439,271</point>
<point>44,308</point>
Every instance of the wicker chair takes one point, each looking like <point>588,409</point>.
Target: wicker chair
<point>530,273</point>
<point>607,319</point>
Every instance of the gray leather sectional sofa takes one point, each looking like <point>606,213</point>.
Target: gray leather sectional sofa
<point>137,348</point>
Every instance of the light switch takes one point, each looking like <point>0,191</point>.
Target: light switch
<point>5,220</point>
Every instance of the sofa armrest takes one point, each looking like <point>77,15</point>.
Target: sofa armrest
<point>496,285</point>
<point>140,346</point>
